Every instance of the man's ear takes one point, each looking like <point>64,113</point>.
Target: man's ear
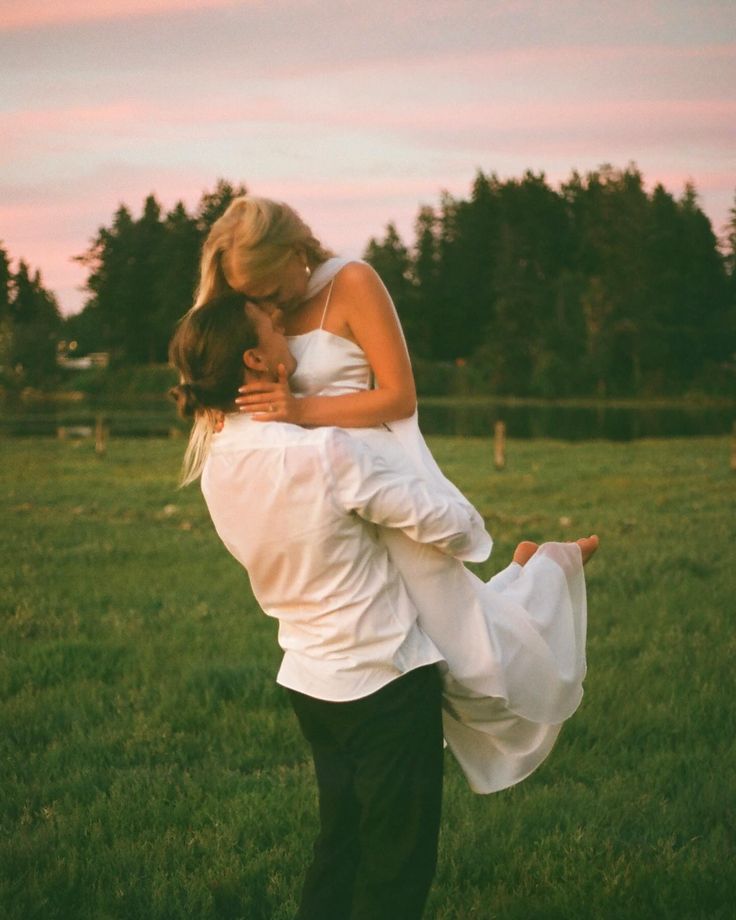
<point>253,360</point>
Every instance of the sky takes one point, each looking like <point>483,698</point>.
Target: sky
<point>354,113</point>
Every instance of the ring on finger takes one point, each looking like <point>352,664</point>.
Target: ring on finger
<point>271,407</point>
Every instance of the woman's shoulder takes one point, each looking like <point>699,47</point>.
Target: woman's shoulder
<point>357,275</point>
<point>364,305</point>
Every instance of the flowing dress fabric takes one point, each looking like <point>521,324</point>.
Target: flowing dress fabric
<point>514,647</point>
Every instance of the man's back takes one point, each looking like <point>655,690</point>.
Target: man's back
<point>286,502</point>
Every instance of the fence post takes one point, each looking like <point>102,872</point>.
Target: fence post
<point>499,445</point>
<point>100,436</point>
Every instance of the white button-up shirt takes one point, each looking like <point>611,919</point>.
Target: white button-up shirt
<point>297,507</point>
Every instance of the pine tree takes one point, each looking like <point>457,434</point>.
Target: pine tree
<point>35,329</point>
<point>6,325</point>
<point>214,204</point>
<point>4,284</point>
<point>109,260</point>
<point>143,323</point>
<point>390,258</point>
<point>729,330</point>
<point>176,274</point>
<point>424,317</point>
<point>702,338</point>
<point>142,275</point>
<point>609,213</point>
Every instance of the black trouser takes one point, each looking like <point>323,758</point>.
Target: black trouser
<point>378,762</point>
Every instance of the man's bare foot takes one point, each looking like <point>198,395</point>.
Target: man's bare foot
<point>588,545</point>
<point>524,551</point>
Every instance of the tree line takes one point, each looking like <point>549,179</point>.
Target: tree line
<point>597,287</point>
<point>142,274</point>
<point>30,325</point>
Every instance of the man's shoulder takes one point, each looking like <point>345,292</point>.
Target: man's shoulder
<point>242,434</point>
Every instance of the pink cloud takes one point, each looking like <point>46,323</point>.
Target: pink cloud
<point>95,195</point>
<point>32,14</point>
<point>510,116</point>
<point>503,60</point>
<point>347,190</point>
<point>482,127</point>
<point>126,114</point>
<point>114,114</point>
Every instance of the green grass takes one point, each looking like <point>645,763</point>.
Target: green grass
<point>151,768</point>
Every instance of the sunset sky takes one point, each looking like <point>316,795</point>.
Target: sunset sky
<point>355,113</point>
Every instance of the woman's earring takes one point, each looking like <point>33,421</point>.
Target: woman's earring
<point>308,270</point>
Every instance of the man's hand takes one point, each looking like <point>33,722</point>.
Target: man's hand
<point>270,401</point>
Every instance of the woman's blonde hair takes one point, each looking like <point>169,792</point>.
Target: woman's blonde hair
<point>253,240</point>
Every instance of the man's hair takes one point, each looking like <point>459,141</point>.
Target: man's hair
<point>207,350</point>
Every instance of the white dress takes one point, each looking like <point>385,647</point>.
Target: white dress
<point>515,646</point>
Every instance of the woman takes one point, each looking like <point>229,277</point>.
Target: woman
<point>264,249</point>
<point>516,655</point>
<point>353,364</point>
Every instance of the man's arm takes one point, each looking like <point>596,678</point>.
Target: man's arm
<point>393,496</point>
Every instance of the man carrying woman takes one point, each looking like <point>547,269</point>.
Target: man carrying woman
<point>298,508</point>
<point>367,614</point>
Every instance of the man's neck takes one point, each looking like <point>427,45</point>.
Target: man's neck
<point>256,377</point>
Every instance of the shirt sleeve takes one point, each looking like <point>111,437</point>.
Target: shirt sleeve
<point>392,495</point>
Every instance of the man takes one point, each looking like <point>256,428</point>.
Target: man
<point>299,508</point>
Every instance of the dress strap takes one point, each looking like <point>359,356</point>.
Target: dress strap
<point>327,303</point>
<point>322,275</point>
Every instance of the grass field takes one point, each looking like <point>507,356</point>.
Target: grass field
<point>151,768</point>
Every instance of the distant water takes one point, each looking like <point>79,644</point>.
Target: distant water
<point>575,423</point>
<point>571,423</point>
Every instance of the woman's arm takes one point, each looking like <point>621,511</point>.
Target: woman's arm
<point>364,311</point>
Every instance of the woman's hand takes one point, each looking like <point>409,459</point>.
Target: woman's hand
<point>270,401</point>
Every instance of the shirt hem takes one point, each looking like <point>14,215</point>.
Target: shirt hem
<point>371,688</point>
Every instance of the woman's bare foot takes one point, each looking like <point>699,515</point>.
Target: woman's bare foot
<point>524,551</point>
<point>588,545</point>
